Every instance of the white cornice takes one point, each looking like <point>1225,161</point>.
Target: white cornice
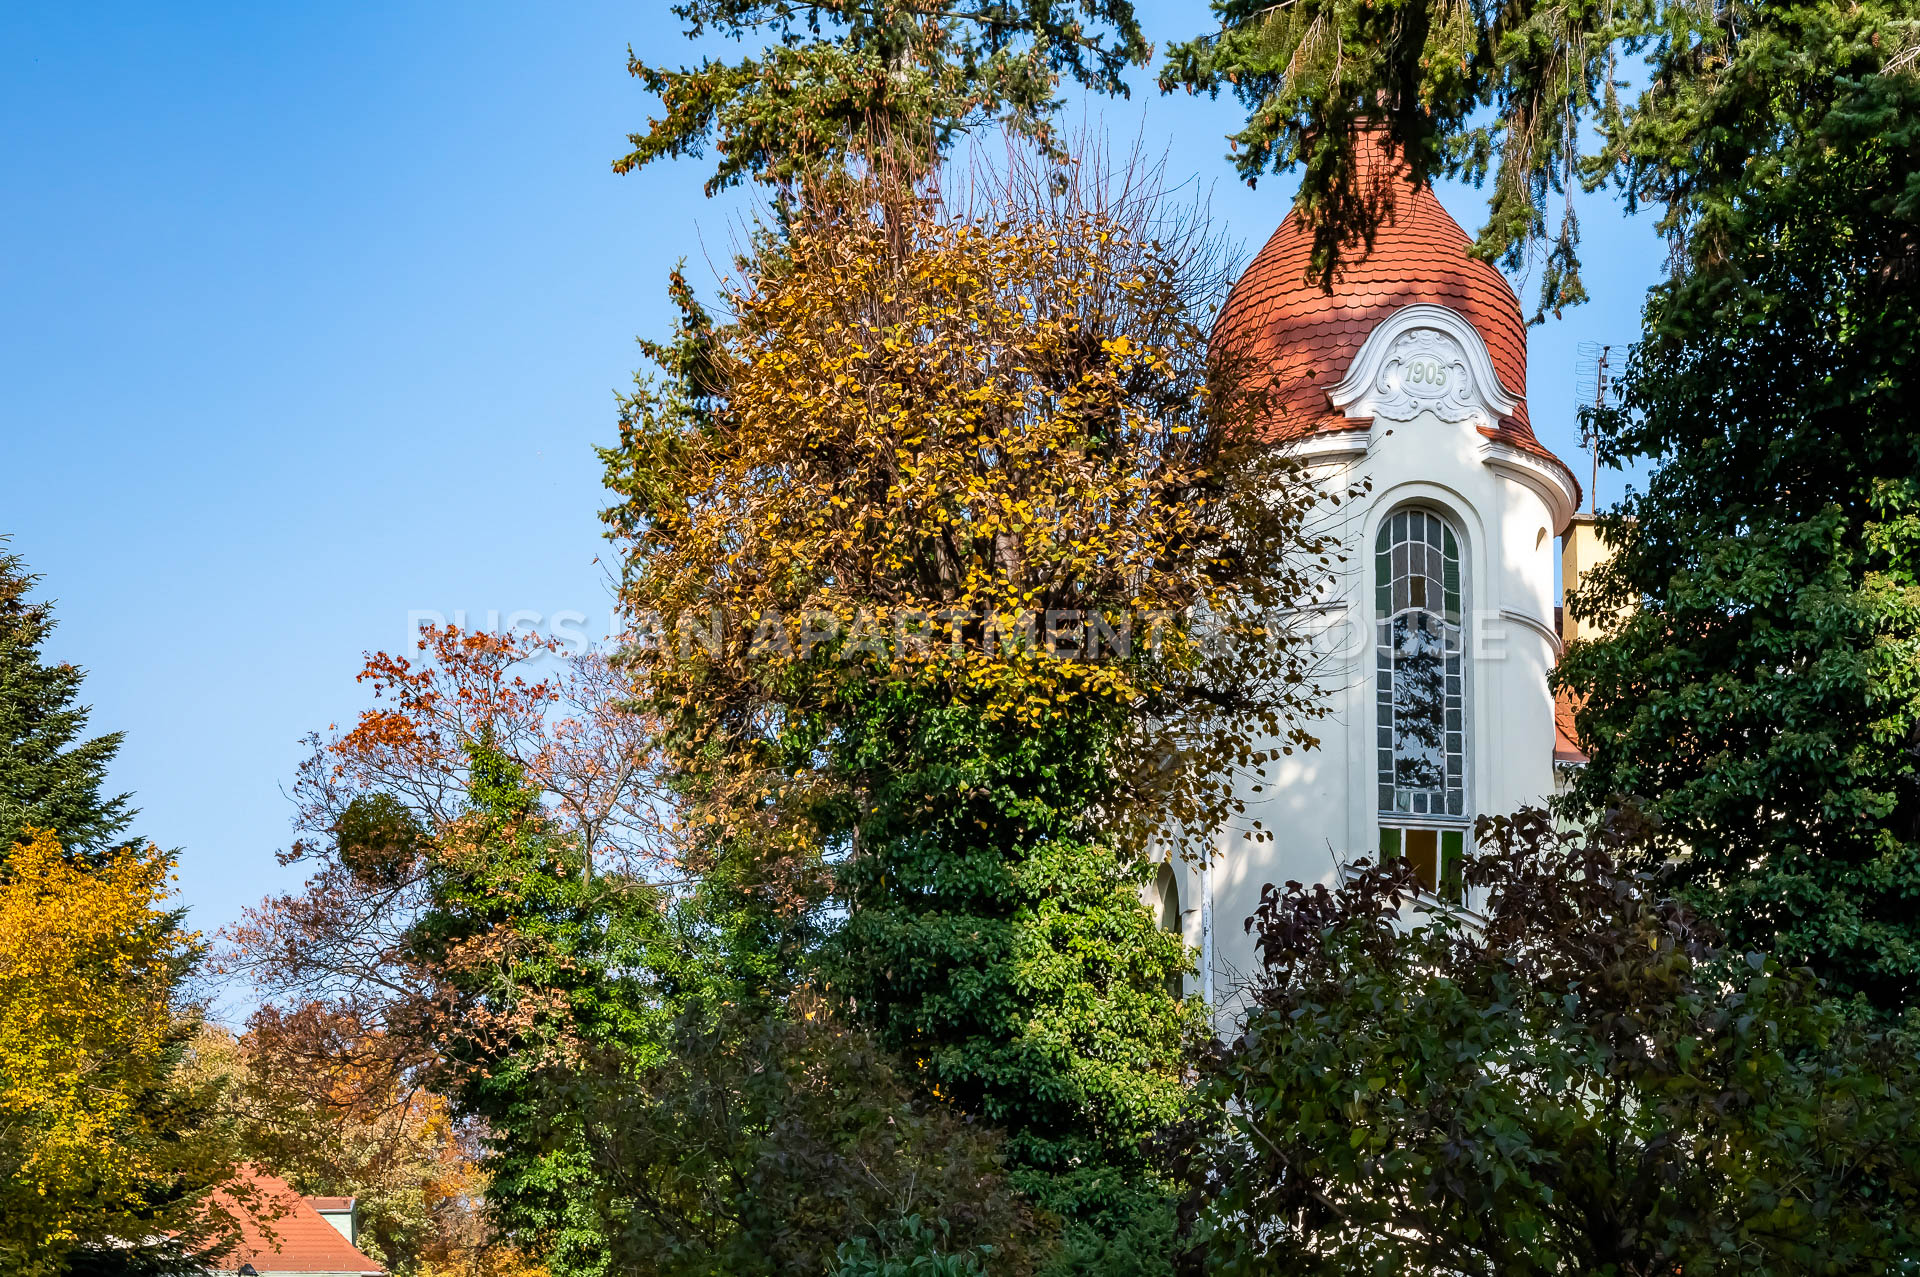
<point>1330,445</point>
<point>1550,479</point>
<point>1535,624</point>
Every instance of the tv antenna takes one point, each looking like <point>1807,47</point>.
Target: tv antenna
<point>1594,386</point>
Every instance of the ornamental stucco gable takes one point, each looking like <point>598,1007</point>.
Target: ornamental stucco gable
<point>1424,358</point>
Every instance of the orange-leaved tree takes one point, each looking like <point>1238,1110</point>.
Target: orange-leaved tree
<point>379,803</point>
<point>338,1121</point>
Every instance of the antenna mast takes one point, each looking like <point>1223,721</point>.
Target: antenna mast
<point>1594,358</point>
<point>1593,444</point>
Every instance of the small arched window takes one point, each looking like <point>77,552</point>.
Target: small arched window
<point>1166,893</point>
<point>1421,694</point>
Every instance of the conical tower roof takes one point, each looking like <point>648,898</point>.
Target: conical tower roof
<point>1304,337</point>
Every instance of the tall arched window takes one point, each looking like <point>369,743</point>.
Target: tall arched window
<point>1421,695</point>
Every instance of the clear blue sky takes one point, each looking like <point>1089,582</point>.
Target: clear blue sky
<point>310,317</point>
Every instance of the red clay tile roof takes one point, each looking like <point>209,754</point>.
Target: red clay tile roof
<point>1307,336</point>
<point>281,1233</point>
<point>1566,746</point>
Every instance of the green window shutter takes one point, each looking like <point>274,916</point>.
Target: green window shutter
<point>1452,851</point>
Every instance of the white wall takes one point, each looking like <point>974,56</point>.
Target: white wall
<point>1507,505</point>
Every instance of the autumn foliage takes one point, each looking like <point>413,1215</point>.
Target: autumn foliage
<point>310,1095</point>
<point>984,453</point>
<point>383,803</point>
<point>959,571</point>
<point>93,1130</point>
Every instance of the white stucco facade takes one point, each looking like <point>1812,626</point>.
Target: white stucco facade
<point>1423,397</point>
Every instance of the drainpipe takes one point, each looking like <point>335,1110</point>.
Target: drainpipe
<point>1206,928</point>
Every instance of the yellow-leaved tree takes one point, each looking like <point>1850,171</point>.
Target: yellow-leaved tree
<point>102,1149</point>
<point>984,450</point>
<point>961,569</point>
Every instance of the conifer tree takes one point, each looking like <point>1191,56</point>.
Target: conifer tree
<point>1680,107</point>
<point>50,776</point>
<point>835,76</point>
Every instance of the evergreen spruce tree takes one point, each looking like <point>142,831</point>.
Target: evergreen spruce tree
<point>836,77</point>
<point>50,777</point>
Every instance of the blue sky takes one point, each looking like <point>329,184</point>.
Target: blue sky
<point>310,318</point>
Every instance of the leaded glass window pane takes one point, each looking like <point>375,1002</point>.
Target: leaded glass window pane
<point>1420,703</point>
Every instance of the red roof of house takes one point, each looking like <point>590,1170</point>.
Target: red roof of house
<point>1566,745</point>
<point>280,1232</point>
<point>1306,336</point>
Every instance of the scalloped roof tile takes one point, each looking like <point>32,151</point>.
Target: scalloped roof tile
<point>1305,336</point>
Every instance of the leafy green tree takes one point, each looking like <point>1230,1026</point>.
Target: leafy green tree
<point>772,1134</point>
<point>659,1098</point>
<point>1577,1080</point>
<point>536,967</point>
<point>835,76</point>
<point>1760,693</point>
<point>915,1249</point>
<point>998,941</point>
<point>50,778</point>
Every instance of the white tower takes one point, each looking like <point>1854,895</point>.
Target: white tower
<point>1411,373</point>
